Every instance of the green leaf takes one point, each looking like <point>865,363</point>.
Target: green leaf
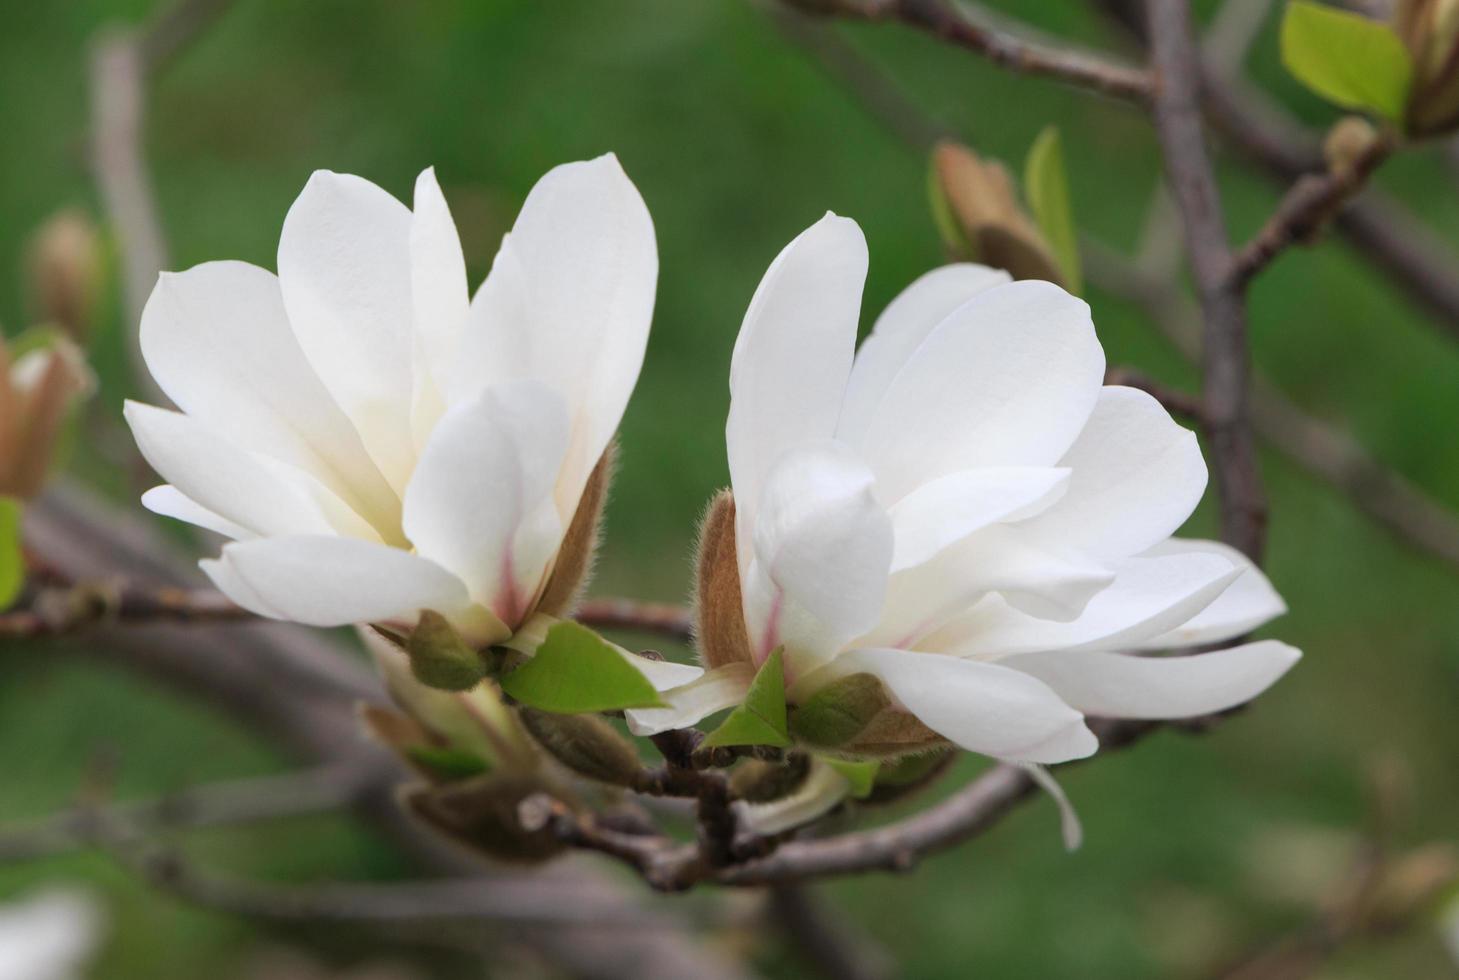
<point>449,763</point>
<point>575,671</point>
<point>12,562</point>
<point>861,775</point>
<point>1047,186</point>
<point>760,718</point>
<point>1347,59</point>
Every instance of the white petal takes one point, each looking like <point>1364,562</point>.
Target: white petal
<point>984,708</point>
<point>226,580</point>
<point>568,303</point>
<point>1246,604</point>
<point>1008,379</point>
<point>939,514</point>
<point>237,485</point>
<point>168,501</point>
<point>1136,478</point>
<point>439,298</point>
<point>1069,826</point>
<point>1117,685</point>
<point>218,342</point>
<point>792,358</point>
<point>900,330</point>
<point>1030,575</point>
<point>321,581</point>
<point>822,548</point>
<point>345,271</point>
<point>688,704</point>
<point>824,788</point>
<point>481,501</point>
<point>1148,597</point>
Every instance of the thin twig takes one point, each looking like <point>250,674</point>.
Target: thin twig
<point>1225,358</point>
<point>55,612</point>
<point>1307,206</point>
<point>1176,402</point>
<point>672,621</point>
<point>209,805</point>
<point>941,19</point>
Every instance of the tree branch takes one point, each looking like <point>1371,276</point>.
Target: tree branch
<point>940,19</point>
<point>1226,361</point>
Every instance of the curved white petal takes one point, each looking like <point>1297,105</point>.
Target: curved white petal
<point>481,500</point>
<point>822,547</point>
<point>1136,477</point>
<point>688,704</point>
<point>900,330</point>
<point>937,515</point>
<point>227,581</point>
<point>345,272</point>
<point>237,485</point>
<point>982,707</point>
<point>1247,603</point>
<point>169,501</point>
<point>1028,574</point>
<point>824,788</point>
<point>217,340</point>
<point>568,303</point>
<point>439,298</point>
<point>327,581</point>
<point>1117,685</point>
<point>1148,597</point>
<point>792,358</point>
<point>1008,379</point>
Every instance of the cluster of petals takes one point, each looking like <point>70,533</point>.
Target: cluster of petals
<point>965,511</point>
<point>375,439</point>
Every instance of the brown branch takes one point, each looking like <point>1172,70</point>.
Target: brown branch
<point>1323,450</point>
<point>1310,203</point>
<point>940,19</point>
<point>229,803</point>
<point>1176,402</point>
<point>675,622</point>
<point>1226,360</point>
<point>54,612</point>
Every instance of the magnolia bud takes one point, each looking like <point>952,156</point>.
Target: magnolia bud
<point>1348,143</point>
<point>586,744</point>
<point>439,658</point>
<point>36,392</point>
<point>892,735</point>
<point>981,219</point>
<point>1430,29</point>
<point>66,271</point>
<point>839,712</point>
<point>756,781</point>
<point>719,617</point>
<point>481,815</point>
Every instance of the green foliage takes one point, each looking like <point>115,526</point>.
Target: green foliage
<point>838,712</point>
<point>861,775</point>
<point>1346,58</point>
<point>12,561</point>
<point>575,670</point>
<point>1046,185</point>
<point>447,762</point>
<point>760,718</point>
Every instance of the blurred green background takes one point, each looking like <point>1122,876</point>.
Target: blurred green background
<point>1196,847</point>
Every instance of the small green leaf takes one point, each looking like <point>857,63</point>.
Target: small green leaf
<point>840,711</point>
<point>760,718</point>
<point>439,658</point>
<point>448,763</point>
<point>1047,186</point>
<point>1347,59</point>
<point>861,775</point>
<point>575,671</point>
<point>12,561</point>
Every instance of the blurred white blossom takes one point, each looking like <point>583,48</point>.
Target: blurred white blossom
<point>50,935</point>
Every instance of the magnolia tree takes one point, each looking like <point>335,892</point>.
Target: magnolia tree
<point>958,537</point>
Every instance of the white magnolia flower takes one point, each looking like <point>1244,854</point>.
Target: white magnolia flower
<point>377,442</point>
<point>964,512</point>
<point>50,935</point>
